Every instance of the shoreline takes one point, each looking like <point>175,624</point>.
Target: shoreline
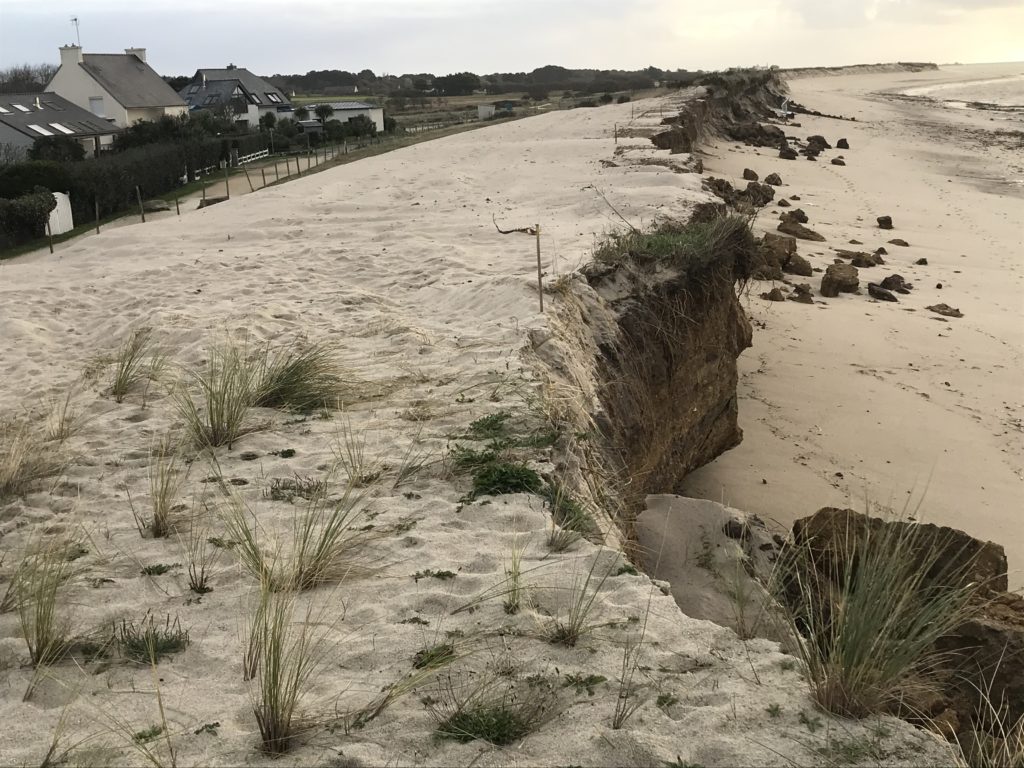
<point>856,403</point>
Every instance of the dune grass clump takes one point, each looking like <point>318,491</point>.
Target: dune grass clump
<point>691,247</point>
<point>129,363</point>
<point>25,459</point>
<point>868,610</point>
<point>166,476</point>
<point>226,387</point>
<point>36,584</point>
<point>283,656</point>
<point>326,543</point>
<point>147,642</point>
<point>297,378</point>
<point>574,623</point>
<point>491,709</point>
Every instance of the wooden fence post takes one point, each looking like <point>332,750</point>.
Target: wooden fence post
<point>540,277</point>
<point>49,234</point>
<point>227,184</point>
<point>246,172</point>
<point>204,194</point>
<point>96,202</point>
<point>177,206</point>
<point>263,173</point>
<point>277,176</point>
<point>138,196</point>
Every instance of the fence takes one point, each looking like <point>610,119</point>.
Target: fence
<point>243,159</point>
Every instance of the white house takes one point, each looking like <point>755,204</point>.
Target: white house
<point>119,87</point>
<point>346,110</point>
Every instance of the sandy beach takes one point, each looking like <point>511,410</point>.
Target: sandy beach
<point>396,260</point>
<point>876,405</point>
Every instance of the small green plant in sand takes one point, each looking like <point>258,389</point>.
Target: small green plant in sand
<point>867,617</point>
<point>583,683</point>
<point>220,416</point>
<point>505,477</point>
<point>129,363</point>
<point>569,520</point>
<point>297,377</point>
<point>159,569</point>
<point>491,709</point>
<point>147,641</point>
<point>430,573</point>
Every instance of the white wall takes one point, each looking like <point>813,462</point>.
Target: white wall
<point>74,84</point>
<point>375,113</point>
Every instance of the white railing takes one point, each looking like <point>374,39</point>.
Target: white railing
<point>243,159</point>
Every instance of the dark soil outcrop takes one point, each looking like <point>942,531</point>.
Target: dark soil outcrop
<point>798,230</point>
<point>839,278</point>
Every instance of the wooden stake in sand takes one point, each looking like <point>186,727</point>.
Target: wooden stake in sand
<point>540,275</point>
<point>615,132</point>
<point>204,195</point>
<point>277,176</point>
<point>49,234</point>
<point>227,184</point>
<point>96,203</point>
<point>138,196</point>
<point>263,173</point>
<point>246,172</point>
<point>177,205</point>
<point>535,231</point>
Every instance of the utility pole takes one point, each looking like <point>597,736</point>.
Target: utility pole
<point>78,37</point>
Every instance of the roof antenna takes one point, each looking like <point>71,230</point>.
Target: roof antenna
<point>74,20</point>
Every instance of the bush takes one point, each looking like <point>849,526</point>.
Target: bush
<point>248,143</point>
<point>23,178</point>
<point>24,218</point>
<point>59,148</point>
<point>623,99</point>
<point>606,98</point>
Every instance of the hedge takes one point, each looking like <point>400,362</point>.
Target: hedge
<point>23,218</point>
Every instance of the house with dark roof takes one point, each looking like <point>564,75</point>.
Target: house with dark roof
<point>235,91</point>
<point>119,87</point>
<point>25,117</point>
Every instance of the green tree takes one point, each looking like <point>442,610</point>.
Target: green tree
<point>324,112</point>
<point>267,121</point>
<point>301,113</point>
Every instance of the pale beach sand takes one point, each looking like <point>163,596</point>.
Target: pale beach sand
<point>397,261</point>
<point>865,404</point>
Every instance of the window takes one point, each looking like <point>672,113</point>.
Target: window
<point>255,98</point>
<point>96,106</point>
<point>62,129</point>
<point>23,109</point>
<point>211,100</point>
<point>4,111</point>
<point>40,130</point>
<point>273,97</point>
<point>237,91</point>
<point>193,88</point>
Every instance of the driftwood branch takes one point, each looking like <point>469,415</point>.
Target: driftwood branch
<point>524,230</point>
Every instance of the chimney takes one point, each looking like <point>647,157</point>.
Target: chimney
<point>70,55</point>
<point>139,53</point>
<point>204,79</point>
<point>38,104</point>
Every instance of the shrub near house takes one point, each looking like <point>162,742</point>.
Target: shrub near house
<point>24,218</point>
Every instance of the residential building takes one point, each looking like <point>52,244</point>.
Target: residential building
<point>25,117</point>
<point>119,87</point>
<point>235,91</point>
<point>346,110</point>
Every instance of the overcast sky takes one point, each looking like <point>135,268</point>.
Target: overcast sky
<point>483,36</point>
